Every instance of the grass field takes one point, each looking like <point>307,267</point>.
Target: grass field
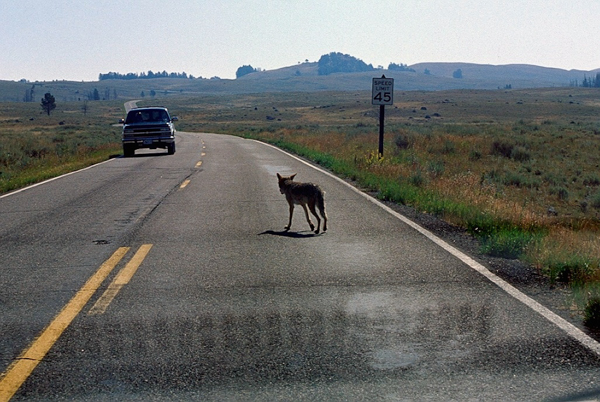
<point>517,169</point>
<point>35,146</point>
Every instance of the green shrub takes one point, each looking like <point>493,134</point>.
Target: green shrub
<point>591,314</point>
<point>520,154</point>
<point>591,180</point>
<point>507,243</point>
<point>474,155</point>
<point>449,147</point>
<point>502,148</point>
<point>417,179</point>
<point>435,168</point>
<point>569,269</point>
<point>560,192</point>
<point>402,141</point>
<point>519,180</point>
<point>595,200</point>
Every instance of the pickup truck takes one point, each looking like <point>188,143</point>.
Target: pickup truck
<point>148,127</point>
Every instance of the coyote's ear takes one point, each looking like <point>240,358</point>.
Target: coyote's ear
<point>279,176</point>
<point>292,176</point>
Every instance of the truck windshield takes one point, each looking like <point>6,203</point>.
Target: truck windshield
<point>147,116</point>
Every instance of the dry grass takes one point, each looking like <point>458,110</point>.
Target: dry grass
<point>34,146</point>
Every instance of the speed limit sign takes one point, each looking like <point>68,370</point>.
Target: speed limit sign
<point>383,91</point>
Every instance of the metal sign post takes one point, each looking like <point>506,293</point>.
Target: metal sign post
<point>382,94</point>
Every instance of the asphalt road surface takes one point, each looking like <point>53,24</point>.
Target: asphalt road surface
<point>162,277</point>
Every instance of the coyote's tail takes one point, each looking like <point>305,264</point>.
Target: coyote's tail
<point>321,203</point>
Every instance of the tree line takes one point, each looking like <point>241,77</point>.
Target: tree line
<point>588,82</point>
<point>335,62</point>
<point>245,70</point>
<point>94,95</point>
<point>134,76</point>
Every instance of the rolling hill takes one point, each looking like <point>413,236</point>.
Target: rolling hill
<point>304,77</point>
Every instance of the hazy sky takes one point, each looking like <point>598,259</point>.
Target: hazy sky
<point>78,39</point>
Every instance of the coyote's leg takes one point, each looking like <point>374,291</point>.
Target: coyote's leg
<point>291,214</point>
<point>314,212</point>
<point>312,227</point>
<point>324,215</point>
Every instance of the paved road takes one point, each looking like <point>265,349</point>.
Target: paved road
<point>170,278</point>
<point>130,105</point>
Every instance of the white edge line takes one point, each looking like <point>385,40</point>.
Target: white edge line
<point>52,179</point>
<point>554,318</point>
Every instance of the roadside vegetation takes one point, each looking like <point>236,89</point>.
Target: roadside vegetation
<point>518,169</point>
<point>35,146</point>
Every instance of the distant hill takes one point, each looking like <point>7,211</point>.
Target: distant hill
<point>441,76</point>
<point>519,75</point>
<point>305,77</point>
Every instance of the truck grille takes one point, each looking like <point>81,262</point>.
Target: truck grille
<point>147,131</point>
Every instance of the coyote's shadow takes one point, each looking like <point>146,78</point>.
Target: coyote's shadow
<point>287,233</point>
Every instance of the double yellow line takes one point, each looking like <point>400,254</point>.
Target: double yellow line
<point>22,367</point>
<point>122,279</point>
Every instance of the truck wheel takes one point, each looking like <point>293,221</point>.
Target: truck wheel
<point>171,148</point>
<point>128,150</point>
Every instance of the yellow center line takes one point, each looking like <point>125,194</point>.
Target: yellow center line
<point>199,164</point>
<point>22,367</point>
<point>184,184</point>
<point>122,279</point>
<point>203,154</point>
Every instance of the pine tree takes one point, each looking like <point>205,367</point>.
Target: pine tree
<point>48,103</point>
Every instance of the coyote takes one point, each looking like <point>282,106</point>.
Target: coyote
<point>305,194</point>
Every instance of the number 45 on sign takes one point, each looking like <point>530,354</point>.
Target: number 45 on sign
<point>383,91</point>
